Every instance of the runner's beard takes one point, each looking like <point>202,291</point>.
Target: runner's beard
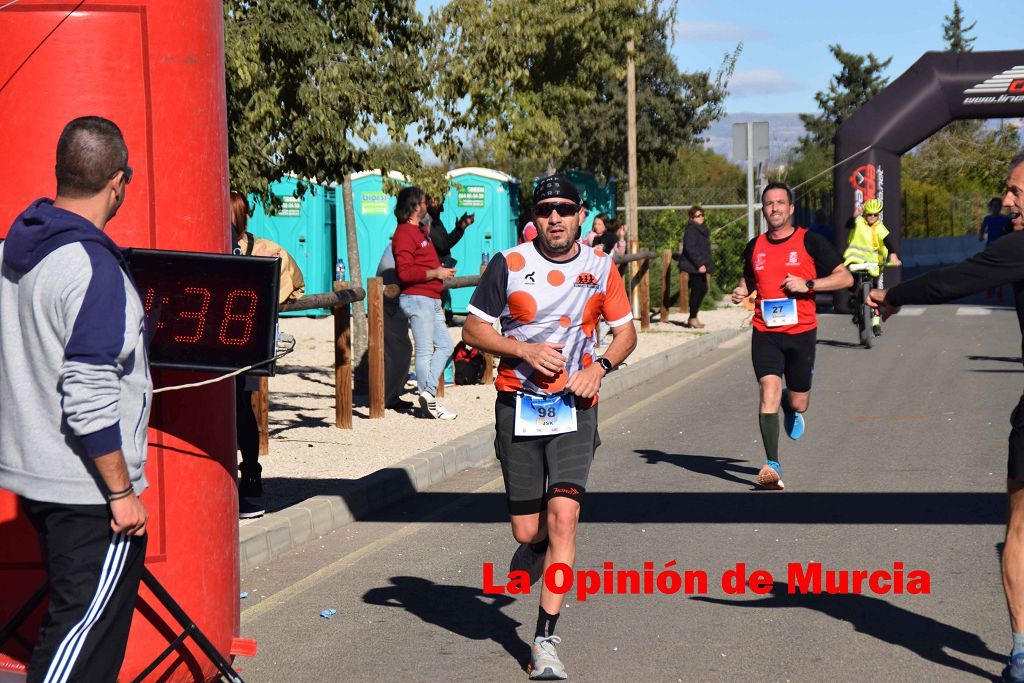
<point>560,249</point>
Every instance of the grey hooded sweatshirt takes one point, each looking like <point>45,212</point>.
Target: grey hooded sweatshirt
<point>74,376</point>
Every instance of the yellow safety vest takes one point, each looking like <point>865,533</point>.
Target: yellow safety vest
<point>867,244</point>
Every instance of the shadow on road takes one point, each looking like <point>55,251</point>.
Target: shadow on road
<point>463,610</point>
<point>879,619</point>
<point>710,465</point>
<point>1016,360</point>
<point>839,344</point>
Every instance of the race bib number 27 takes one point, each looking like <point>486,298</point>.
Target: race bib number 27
<point>778,312</point>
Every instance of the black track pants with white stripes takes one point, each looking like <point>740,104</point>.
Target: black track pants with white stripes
<point>93,578</point>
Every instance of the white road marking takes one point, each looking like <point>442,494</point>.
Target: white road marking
<point>973,310</point>
<point>912,310</point>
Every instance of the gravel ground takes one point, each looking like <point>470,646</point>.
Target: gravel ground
<point>304,443</point>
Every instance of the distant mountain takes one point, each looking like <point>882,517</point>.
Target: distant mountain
<point>784,130</point>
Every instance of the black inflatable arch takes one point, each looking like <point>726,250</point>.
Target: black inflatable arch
<point>939,88</point>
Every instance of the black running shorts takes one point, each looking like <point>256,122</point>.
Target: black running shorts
<point>786,355</point>
<point>536,468</point>
<point>1015,459</point>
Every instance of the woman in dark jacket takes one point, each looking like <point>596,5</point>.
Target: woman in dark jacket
<point>695,260</point>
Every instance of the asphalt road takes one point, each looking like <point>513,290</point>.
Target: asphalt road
<point>903,461</point>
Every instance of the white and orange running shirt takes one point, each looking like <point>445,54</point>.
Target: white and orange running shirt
<point>539,300</point>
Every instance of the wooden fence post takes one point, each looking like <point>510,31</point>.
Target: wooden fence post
<point>342,362</point>
<point>633,269</point>
<point>666,283</point>
<point>261,407</point>
<point>644,292</point>
<point>684,292</point>
<point>375,345</point>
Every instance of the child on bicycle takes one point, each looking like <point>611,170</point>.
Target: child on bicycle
<point>870,243</point>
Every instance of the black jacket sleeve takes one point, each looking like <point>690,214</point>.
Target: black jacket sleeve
<point>1001,263</point>
<point>890,244</point>
<point>696,249</point>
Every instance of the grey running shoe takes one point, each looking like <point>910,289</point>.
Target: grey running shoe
<point>544,662</point>
<point>526,560</point>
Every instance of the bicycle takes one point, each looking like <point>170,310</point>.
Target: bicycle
<point>863,283</point>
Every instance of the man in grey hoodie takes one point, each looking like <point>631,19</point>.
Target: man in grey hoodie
<point>75,395</point>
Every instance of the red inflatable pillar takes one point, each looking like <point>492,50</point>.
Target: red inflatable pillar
<point>156,68</point>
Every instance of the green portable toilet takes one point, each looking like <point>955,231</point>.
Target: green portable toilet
<point>305,228</point>
<point>600,198</point>
<point>375,220</point>
<point>493,198</point>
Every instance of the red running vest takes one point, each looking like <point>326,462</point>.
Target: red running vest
<point>771,264</point>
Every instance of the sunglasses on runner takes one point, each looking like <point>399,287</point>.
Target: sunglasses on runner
<point>564,209</point>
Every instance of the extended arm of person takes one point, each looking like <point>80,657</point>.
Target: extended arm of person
<point>1001,263</point>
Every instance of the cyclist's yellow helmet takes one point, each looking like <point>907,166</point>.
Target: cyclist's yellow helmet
<point>872,206</point>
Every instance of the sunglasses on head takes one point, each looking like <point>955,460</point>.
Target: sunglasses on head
<point>128,172</point>
<point>698,215</point>
<point>564,209</point>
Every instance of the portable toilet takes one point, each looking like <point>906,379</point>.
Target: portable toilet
<point>305,228</point>
<point>493,199</point>
<point>600,198</point>
<point>374,210</point>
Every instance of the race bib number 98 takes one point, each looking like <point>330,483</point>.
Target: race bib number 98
<point>545,415</point>
<point>778,312</point>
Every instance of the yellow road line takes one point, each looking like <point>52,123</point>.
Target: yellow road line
<point>342,563</point>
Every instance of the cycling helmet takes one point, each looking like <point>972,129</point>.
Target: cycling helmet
<point>872,206</point>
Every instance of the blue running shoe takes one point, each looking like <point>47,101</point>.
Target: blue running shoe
<point>1014,671</point>
<point>793,421</point>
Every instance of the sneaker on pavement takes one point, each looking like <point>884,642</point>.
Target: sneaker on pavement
<point>1014,671</point>
<point>445,414</point>
<point>792,420</point>
<point>250,508</point>
<point>527,560</point>
<point>876,330</point>
<point>544,662</point>
<point>768,477</point>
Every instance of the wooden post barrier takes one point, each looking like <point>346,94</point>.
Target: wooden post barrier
<point>684,292</point>
<point>644,293</point>
<point>342,363</point>
<point>375,345</point>
<point>666,284</point>
<point>634,247</point>
<point>261,406</point>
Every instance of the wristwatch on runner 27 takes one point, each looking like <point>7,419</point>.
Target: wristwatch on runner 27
<point>606,364</point>
<point>810,285</point>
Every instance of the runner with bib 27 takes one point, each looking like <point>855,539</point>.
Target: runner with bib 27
<point>786,266</point>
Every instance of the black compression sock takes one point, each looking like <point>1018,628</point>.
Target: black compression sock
<point>545,624</point>
<point>770,434</point>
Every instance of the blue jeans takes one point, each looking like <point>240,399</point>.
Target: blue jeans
<point>430,336</point>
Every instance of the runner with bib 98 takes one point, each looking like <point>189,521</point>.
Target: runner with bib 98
<point>787,266</point>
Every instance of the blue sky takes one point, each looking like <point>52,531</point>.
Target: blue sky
<point>785,57</point>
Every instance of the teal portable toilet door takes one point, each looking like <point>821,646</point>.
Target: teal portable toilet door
<point>303,227</point>
<point>375,220</point>
<point>486,194</point>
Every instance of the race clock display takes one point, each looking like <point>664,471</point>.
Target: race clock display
<point>207,312</point>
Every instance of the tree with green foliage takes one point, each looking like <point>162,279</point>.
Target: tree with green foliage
<point>544,83</point>
<point>859,79</point>
<point>311,85</point>
<point>955,33</point>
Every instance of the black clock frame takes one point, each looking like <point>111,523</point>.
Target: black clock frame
<point>164,270</point>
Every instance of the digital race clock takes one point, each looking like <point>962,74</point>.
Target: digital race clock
<point>207,312</point>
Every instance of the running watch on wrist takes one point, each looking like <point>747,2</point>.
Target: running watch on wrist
<point>606,364</point>
<point>810,285</point>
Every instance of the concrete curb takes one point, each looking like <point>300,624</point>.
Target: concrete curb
<point>276,534</point>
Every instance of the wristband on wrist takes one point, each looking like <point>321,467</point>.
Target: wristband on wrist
<point>111,499</point>
<point>116,495</point>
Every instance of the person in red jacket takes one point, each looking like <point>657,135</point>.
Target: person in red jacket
<point>786,266</point>
<point>421,279</point>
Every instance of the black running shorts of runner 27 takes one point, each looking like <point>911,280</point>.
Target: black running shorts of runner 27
<point>786,355</point>
<point>538,468</point>
<point>1015,459</point>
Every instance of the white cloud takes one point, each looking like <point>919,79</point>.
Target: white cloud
<point>749,82</point>
<point>717,31</point>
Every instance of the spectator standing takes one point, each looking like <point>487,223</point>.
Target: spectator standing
<point>421,278</point>
<point>597,231</point>
<point>444,241</point>
<point>695,260</point>
<point>290,288</point>
<point>75,395</point>
<point>397,347</point>
<point>995,224</point>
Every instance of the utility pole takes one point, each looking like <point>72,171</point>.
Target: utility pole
<point>632,212</point>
